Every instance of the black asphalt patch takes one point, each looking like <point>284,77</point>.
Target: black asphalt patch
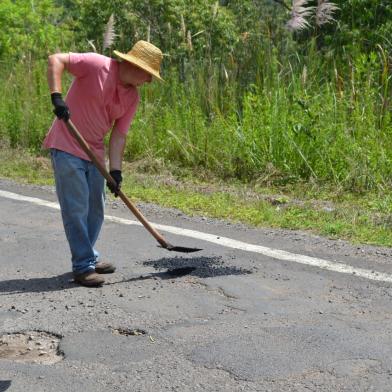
<point>202,267</point>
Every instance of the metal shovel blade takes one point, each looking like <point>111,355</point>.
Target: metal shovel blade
<point>181,249</point>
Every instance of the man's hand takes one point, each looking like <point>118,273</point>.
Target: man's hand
<point>61,109</point>
<point>117,177</point>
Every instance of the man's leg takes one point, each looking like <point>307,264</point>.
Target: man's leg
<point>73,194</point>
<point>96,184</point>
<point>96,215</point>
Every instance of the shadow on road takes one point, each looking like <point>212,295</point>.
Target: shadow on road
<point>37,285</point>
<point>173,274</point>
<point>176,267</point>
<point>4,385</point>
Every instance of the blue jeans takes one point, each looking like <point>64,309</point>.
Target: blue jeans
<point>80,190</point>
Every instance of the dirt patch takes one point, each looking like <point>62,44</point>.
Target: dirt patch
<point>30,347</point>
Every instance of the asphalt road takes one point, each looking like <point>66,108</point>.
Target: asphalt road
<point>223,319</point>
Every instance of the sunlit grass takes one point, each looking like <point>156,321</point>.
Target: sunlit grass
<point>304,119</point>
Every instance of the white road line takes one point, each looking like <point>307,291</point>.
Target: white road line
<point>230,243</point>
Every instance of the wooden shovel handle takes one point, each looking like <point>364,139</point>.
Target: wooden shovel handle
<point>86,148</point>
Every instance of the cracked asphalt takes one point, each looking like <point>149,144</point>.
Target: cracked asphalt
<point>218,320</point>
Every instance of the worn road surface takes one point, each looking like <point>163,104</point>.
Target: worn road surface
<point>224,319</point>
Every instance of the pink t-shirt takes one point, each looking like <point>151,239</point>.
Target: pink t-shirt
<point>96,101</point>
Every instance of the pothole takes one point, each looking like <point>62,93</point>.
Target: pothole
<point>31,347</point>
<point>128,331</point>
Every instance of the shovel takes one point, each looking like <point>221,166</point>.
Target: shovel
<point>86,148</point>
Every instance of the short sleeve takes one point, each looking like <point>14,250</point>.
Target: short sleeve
<point>123,123</point>
<point>82,64</point>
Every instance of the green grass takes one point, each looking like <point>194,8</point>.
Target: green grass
<point>329,212</point>
<point>300,119</point>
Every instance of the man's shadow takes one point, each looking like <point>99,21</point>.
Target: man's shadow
<point>4,385</point>
<point>168,267</point>
<point>37,285</point>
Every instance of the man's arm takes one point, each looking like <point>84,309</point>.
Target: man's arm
<point>116,151</point>
<point>56,65</point>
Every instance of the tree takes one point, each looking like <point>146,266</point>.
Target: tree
<point>34,28</point>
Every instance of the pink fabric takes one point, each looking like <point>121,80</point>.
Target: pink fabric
<point>97,101</point>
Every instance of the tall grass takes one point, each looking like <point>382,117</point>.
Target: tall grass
<point>303,118</point>
<point>277,118</point>
<point>25,112</point>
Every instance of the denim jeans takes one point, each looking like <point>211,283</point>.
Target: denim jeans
<point>80,190</point>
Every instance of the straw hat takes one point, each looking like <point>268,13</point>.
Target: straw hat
<point>145,56</point>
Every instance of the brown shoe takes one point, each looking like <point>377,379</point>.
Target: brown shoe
<point>103,267</point>
<point>89,279</point>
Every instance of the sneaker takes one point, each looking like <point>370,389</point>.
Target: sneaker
<point>89,279</point>
<point>103,267</point>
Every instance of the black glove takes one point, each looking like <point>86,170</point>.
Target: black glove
<point>61,109</point>
<point>116,175</point>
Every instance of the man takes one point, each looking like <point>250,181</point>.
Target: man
<point>102,97</point>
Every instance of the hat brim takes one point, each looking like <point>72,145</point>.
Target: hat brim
<point>139,63</point>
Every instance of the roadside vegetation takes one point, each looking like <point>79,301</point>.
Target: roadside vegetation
<point>327,211</point>
<point>272,113</point>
